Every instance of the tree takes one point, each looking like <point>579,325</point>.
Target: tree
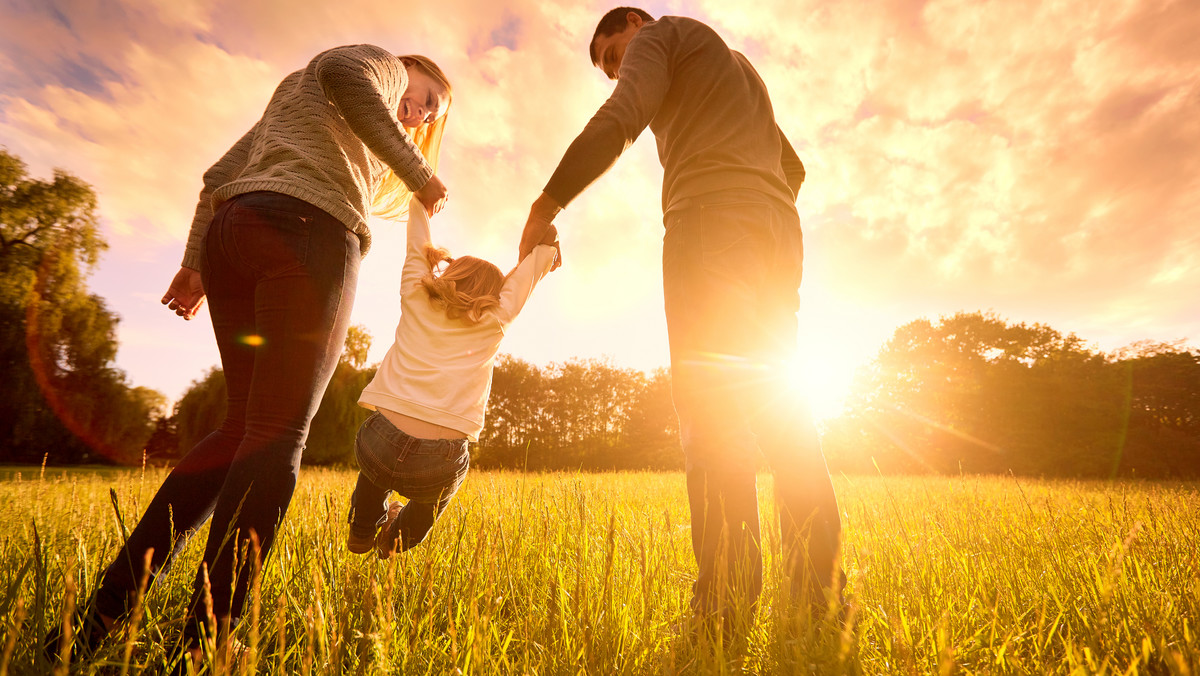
<point>973,393</point>
<point>63,399</point>
<point>201,409</point>
<point>335,425</point>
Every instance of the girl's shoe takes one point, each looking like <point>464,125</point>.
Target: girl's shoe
<point>360,544</point>
<point>389,533</point>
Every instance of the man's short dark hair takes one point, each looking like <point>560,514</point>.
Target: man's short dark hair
<point>612,23</point>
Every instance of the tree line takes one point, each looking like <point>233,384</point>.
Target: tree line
<point>967,393</point>
<point>973,393</point>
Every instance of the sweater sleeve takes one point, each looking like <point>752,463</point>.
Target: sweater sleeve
<point>642,84</point>
<point>416,265</point>
<point>355,80</point>
<point>226,169</point>
<point>520,282</point>
<point>793,168</point>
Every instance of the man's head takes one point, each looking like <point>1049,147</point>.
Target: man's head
<point>613,33</point>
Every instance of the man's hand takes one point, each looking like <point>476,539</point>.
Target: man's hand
<point>540,222</point>
<point>551,239</point>
<point>186,293</point>
<point>433,195</point>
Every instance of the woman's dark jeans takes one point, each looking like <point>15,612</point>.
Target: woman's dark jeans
<point>426,471</point>
<point>280,276</point>
<point>732,265</point>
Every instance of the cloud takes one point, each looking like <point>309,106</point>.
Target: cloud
<point>1029,152</point>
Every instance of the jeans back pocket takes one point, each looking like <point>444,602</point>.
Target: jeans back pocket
<point>270,242</point>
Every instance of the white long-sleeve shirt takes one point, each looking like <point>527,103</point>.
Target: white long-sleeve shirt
<point>439,369</point>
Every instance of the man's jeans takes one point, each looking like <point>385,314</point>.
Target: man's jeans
<point>732,265</point>
<point>280,277</point>
<point>426,471</point>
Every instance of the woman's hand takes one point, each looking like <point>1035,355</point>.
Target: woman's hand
<point>433,195</point>
<point>186,293</point>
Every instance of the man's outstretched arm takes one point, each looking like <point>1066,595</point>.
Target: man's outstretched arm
<point>641,86</point>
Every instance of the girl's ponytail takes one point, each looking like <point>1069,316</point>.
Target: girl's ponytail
<point>467,287</point>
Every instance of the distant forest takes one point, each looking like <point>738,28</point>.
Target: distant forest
<point>967,393</point>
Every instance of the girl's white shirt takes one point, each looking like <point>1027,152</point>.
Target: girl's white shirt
<point>439,369</point>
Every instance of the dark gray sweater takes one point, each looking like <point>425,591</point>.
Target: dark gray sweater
<point>709,112</point>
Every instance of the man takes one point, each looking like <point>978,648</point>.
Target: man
<point>732,261</point>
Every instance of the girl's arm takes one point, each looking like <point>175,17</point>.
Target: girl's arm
<point>416,265</point>
<point>226,169</point>
<point>365,83</point>
<point>527,274</point>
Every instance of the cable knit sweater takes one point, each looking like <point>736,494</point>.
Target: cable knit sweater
<point>439,369</point>
<point>327,137</point>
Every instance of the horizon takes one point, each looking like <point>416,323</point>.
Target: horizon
<point>1041,173</point>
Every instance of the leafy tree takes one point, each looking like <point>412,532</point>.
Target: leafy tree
<point>62,399</point>
<point>973,393</point>
<point>334,427</point>
<point>201,409</point>
<point>513,426</point>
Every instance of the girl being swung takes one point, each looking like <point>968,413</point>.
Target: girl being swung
<point>430,392</point>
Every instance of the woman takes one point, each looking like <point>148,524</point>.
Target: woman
<point>354,133</point>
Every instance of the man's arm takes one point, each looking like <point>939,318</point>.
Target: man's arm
<point>641,86</point>
<point>793,168</point>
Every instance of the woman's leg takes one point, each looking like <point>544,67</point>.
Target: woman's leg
<point>305,265</point>
<point>187,497</point>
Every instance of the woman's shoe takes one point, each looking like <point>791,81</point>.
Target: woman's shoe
<point>88,630</point>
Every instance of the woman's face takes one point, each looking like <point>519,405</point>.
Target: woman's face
<point>424,101</point>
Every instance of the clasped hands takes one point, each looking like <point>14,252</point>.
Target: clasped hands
<point>539,228</point>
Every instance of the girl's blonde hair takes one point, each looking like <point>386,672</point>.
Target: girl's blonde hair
<point>391,195</point>
<point>466,288</point>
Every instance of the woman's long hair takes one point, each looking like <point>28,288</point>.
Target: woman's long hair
<point>391,196</point>
<point>466,288</point>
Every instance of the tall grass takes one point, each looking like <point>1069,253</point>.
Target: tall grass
<point>568,574</point>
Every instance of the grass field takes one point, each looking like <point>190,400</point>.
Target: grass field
<point>572,574</point>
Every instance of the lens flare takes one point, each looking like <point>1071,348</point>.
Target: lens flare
<point>251,339</point>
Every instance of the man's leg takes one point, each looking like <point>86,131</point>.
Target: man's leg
<point>713,260</point>
<point>782,421</point>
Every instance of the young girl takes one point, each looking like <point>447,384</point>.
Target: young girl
<point>431,390</point>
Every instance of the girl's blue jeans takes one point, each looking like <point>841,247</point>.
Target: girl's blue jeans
<point>280,276</point>
<point>426,471</point>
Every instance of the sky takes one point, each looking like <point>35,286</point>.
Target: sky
<point>1036,159</point>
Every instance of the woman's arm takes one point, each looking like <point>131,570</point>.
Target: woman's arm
<point>226,169</point>
<point>365,83</point>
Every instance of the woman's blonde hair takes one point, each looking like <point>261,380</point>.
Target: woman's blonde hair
<point>391,195</point>
<point>466,288</point>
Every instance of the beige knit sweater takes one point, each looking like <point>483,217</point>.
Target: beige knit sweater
<point>327,137</point>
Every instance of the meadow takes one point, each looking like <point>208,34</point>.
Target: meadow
<point>589,574</point>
